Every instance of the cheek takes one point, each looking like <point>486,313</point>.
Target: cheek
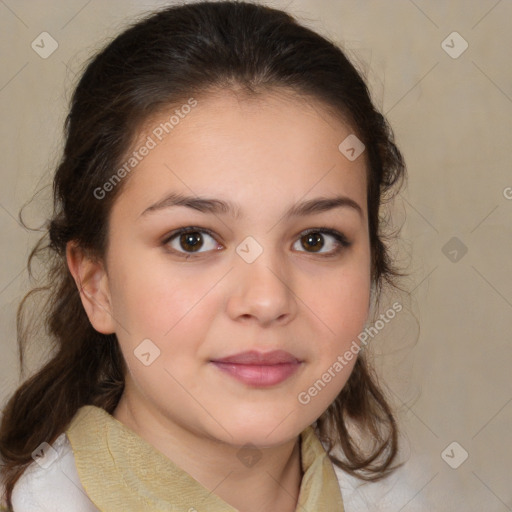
<point>170,310</point>
<point>342,306</point>
<point>152,300</point>
<point>342,309</point>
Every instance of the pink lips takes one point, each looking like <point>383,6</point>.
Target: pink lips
<point>259,369</point>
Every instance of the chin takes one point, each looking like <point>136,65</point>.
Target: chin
<point>260,431</point>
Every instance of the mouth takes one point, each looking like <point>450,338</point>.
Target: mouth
<point>258,369</point>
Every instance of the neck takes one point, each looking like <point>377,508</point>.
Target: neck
<point>250,481</point>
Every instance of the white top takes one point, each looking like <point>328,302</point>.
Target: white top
<point>54,486</point>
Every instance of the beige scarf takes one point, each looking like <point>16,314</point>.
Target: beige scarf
<point>121,472</point>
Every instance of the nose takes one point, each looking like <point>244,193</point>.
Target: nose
<point>263,292</point>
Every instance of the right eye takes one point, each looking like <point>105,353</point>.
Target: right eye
<point>191,240</point>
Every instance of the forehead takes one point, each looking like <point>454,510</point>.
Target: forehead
<point>232,144</point>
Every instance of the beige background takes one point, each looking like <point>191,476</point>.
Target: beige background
<point>453,121</point>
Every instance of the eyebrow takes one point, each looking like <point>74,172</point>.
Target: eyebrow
<point>217,206</point>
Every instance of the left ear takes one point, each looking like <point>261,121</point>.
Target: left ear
<point>92,282</point>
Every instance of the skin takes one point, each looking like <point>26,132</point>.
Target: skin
<point>265,155</point>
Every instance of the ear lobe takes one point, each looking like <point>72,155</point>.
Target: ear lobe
<point>92,282</point>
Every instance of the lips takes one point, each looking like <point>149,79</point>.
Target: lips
<point>260,358</point>
<point>258,369</point>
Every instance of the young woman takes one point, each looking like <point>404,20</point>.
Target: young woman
<point>216,248</point>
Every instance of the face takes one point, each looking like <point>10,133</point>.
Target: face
<point>230,305</point>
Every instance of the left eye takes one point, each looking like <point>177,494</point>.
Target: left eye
<point>314,241</point>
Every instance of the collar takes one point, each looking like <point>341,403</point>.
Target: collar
<point>120,471</point>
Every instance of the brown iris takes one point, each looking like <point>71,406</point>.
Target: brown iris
<point>313,240</point>
<point>191,241</point>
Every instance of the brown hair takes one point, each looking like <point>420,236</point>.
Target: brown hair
<point>173,54</point>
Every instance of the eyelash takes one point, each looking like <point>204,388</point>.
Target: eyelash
<point>340,239</point>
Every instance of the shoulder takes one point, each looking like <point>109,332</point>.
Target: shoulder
<point>51,482</point>
<point>390,493</point>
